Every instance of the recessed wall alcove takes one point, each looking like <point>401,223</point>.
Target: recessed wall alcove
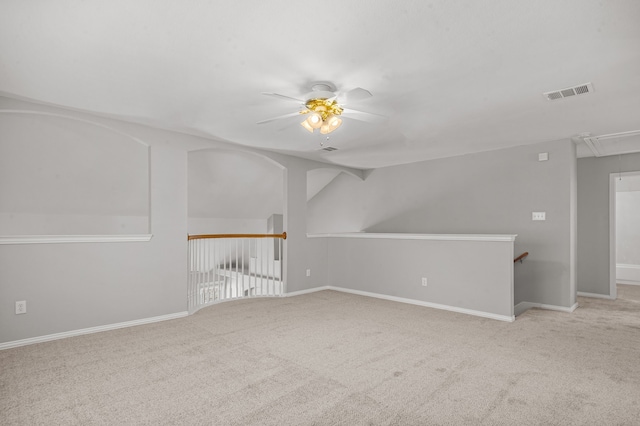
<point>64,179</point>
<point>232,191</point>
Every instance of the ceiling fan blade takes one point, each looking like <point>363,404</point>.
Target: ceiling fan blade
<point>291,114</point>
<point>354,95</point>
<point>286,98</point>
<point>369,117</point>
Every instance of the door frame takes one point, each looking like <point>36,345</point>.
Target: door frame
<point>613,292</point>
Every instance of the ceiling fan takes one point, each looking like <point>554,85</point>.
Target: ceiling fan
<point>324,106</point>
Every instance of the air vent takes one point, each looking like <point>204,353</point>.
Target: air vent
<point>614,143</point>
<point>569,91</point>
<point>329,149</point>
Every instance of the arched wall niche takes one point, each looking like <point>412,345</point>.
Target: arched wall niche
<point>65,179</point>
<point>233,191</point>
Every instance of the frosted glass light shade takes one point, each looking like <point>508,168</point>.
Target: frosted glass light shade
<point>332,122</point>
<point>307,126</point>
<point>314,120</point>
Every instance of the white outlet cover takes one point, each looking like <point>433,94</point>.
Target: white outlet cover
<point>543,156</point>
<point>21,307</point>
<point>538,216</point>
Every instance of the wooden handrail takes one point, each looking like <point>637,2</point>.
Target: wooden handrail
<point>197,237</point>
<point>521,257</point>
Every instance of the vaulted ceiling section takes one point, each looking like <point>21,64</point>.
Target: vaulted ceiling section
<point>450,77</point>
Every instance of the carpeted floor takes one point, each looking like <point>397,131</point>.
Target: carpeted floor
<point>330,358</point>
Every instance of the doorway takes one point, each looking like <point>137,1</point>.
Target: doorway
<point>624,205</point>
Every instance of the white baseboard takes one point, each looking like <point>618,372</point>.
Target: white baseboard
<point>628,282</point>
<point>628,274</point>
<point>425,304</point>
<point>524,306</point>
<point>90,330</point>
<point>310,290</point>
<point>595,295</point>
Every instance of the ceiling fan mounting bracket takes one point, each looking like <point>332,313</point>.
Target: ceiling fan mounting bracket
<point>323,86</point>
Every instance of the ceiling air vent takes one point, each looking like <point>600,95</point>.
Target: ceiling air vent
<point>614,143</point>
<point>569,91</point>
<point>329,149</point>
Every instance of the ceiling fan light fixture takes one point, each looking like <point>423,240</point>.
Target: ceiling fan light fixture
<point>314,120</point>
<point>330,124</point>
<point>307,126</point>
<point>323,109</point>
<point>334,121</point>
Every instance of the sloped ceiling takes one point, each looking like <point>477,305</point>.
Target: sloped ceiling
<point>452,77</point>
<point>318,179</point>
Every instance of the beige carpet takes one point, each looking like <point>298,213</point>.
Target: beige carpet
<point>331,358</point>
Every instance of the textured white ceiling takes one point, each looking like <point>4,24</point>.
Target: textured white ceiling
<point>453,77</point>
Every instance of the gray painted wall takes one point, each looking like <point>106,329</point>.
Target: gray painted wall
<point>485,193</point>
<point>75,286</point>
<point>473,275</point>
<point>198,225</point>
<point>301,253</point>
<point>593,219</point>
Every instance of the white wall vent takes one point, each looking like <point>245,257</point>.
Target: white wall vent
<point>329,149</point>
<point>569,91</point>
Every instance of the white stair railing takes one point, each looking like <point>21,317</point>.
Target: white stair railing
<point>234,266</point>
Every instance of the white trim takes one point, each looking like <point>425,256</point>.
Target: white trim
<point>524,306</point>
<point>425,304</point>
<point>58,239</point>
<point>595,295</point>
<point>613,291</point>
<point>310,290</point>
<point>404,300</point>
<point>628,273</point>
<point>434,237</point>
<point>90,330</point>
<point>628,282</point>
<point>627,266</point>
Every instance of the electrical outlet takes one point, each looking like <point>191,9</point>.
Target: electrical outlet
<point>308,272</point>
<point>21,307</point>
<point>424,281</point>
<point>538,215</point>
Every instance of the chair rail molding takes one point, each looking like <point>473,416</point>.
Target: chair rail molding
<point>65,239</point>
